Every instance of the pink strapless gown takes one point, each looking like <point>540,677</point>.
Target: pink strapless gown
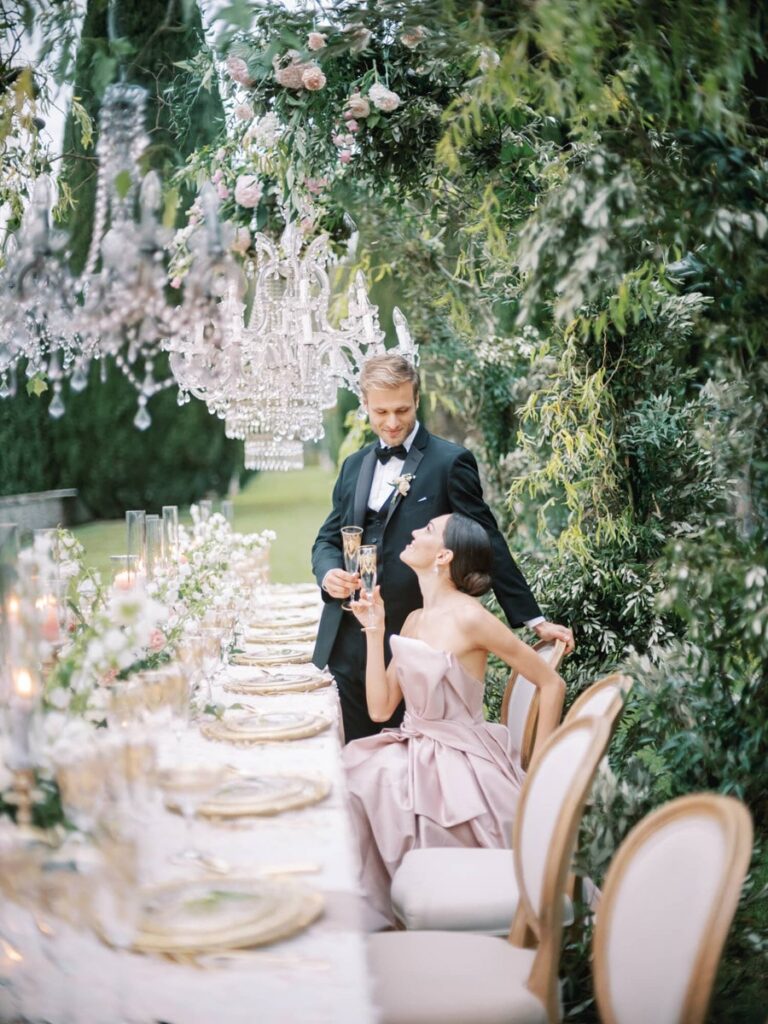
<point>444,778</point>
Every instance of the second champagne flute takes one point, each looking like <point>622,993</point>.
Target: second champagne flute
<point>351,539</point>
<point>367,565</point>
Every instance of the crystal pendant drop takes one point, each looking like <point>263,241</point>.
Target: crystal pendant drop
<point>57,408</point>
<point>142,419</point>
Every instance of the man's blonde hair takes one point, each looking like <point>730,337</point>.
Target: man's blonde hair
<point>389,371</point>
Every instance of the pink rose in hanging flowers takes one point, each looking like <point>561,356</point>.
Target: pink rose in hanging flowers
<point>383,98</point>
<point>316,41</point>
<point>345,156</point>
<point>290,75</point>
<point>247,191</point>
<point>217,175</point>
<point>312,78</point>
<point>306,224</point>
<point>315,185</point>
<point>337,140</point>
<point>353,126</point>
<point>175,282</point>
<point>242,241</point>
<point>222,191</point>
<point>244,112</point>
<point>237,70</point>
<point>357,106</point>
<point>411,37</point>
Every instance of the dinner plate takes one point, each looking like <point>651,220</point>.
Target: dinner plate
<point>278,682</point>
<point>246,727</point>
<point>270,654</point>
<point>195,916</point>
<point>245,795</point>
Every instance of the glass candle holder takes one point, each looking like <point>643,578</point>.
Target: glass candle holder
<point>170,534</point>
<point>136,524</point>
<point>228,511</point>
<point>205,508</point>
<point>154,546</point>
<point>124,570</point>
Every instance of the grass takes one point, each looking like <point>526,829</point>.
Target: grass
<point>292,504</point>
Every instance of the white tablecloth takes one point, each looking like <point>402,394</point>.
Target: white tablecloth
<point>318,976</point>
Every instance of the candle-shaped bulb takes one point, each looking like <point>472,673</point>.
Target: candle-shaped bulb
<point>22,683</point>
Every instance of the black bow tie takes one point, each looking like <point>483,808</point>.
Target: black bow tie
<point>385,454</point>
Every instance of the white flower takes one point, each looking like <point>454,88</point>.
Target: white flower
<point>402,483</point>
<point>242,241</point>
<point>382,98</point>
<point>487,59</point>
<point>247,191</point>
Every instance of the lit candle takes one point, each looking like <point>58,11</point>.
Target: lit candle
<point>49,618</point>
<point>13,609</point>
<point>125,580</point>
<point>21,708</point>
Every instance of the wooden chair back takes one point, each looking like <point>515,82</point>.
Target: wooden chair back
<point>544,837</point>
<point>520,704</point>
<point>667,904</point>
<point>605,699</point>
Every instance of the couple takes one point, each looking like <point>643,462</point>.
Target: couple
<point>444,777</point>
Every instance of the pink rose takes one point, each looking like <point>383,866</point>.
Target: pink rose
<point>222,191</point>
<point>217,175</point>
<point>353,126</point>
<point>345,156</point>
<point>156,640</point>
<point>312,78</point>
<point>306,224</point>
<point>357,106</point>
<point>109,677</point>
<point>314,185</point>
<point>242,241</point>
<point>337,140</point>
<point>244,112</point>
<point>413,36</point>
<point>247,191</point>
<point>176,282</point>
<point>290,76</point>
<point>316,41</point>
<point>238,70</point>
<point>382,98</point>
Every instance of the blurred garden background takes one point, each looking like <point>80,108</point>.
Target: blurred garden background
<point>568,201</point>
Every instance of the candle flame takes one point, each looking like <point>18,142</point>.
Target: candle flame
<point>23,683</point>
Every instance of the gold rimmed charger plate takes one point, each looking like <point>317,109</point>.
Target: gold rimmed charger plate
<point>198,916</point>
<point>277,636</point>
<point>277,682</point>
<point>284,622</point>
<point>246,727</point>
<point>272,655</point>
<point>263,795</point>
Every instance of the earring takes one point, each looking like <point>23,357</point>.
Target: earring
<point>436,569</point>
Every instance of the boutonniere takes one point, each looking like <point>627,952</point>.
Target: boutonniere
<point>402,483</point>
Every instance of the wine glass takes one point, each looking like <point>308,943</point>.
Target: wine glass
<point>187,786</point>
<point>367,566</point>
<point>351,539</point>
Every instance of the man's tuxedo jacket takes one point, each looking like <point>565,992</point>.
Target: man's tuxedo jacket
<point>445,479</point>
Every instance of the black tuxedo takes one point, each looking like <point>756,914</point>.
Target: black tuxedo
<point>445,479</point>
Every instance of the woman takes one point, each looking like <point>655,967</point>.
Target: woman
<point>445,777</point>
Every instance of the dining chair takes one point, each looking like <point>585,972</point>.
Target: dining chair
<point>452,977</point>
<point>475,890</point>
<point>668,900</point>
<point>520,704</point>
<point>606,697</point>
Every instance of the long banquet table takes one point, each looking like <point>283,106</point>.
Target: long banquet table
<point>318,975</point>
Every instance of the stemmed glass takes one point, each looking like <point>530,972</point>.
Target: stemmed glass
<point>211,659</point>
<point>367,566</point>
<point>351,539</point>
<point>188,786</point>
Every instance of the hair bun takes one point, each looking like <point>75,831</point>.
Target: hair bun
<point>475,584</point>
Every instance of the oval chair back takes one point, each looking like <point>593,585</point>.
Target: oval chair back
<point>544,837</point>
<point>604,699</point>
<point>667,904</point>
<point>520,704</point>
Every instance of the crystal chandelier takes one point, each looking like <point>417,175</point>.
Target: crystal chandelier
<point>288,361</point>
<point>121,306</point>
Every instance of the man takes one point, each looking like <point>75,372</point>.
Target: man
<point>390,488</point>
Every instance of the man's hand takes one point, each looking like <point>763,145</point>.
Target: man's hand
<point>552,631</point>
<point>340,584</point>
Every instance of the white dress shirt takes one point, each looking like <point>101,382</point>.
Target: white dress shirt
<point>385,474</point>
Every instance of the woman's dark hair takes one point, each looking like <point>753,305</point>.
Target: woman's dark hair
<point>472,558</point>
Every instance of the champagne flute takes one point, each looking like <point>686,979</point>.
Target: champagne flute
<point>187,786</point>
<point>351,539</point>
<point>367,566</point>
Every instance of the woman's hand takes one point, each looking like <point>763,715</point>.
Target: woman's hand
<point>370,614</point>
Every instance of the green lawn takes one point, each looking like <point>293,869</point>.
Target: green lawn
<point>292,504</point>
